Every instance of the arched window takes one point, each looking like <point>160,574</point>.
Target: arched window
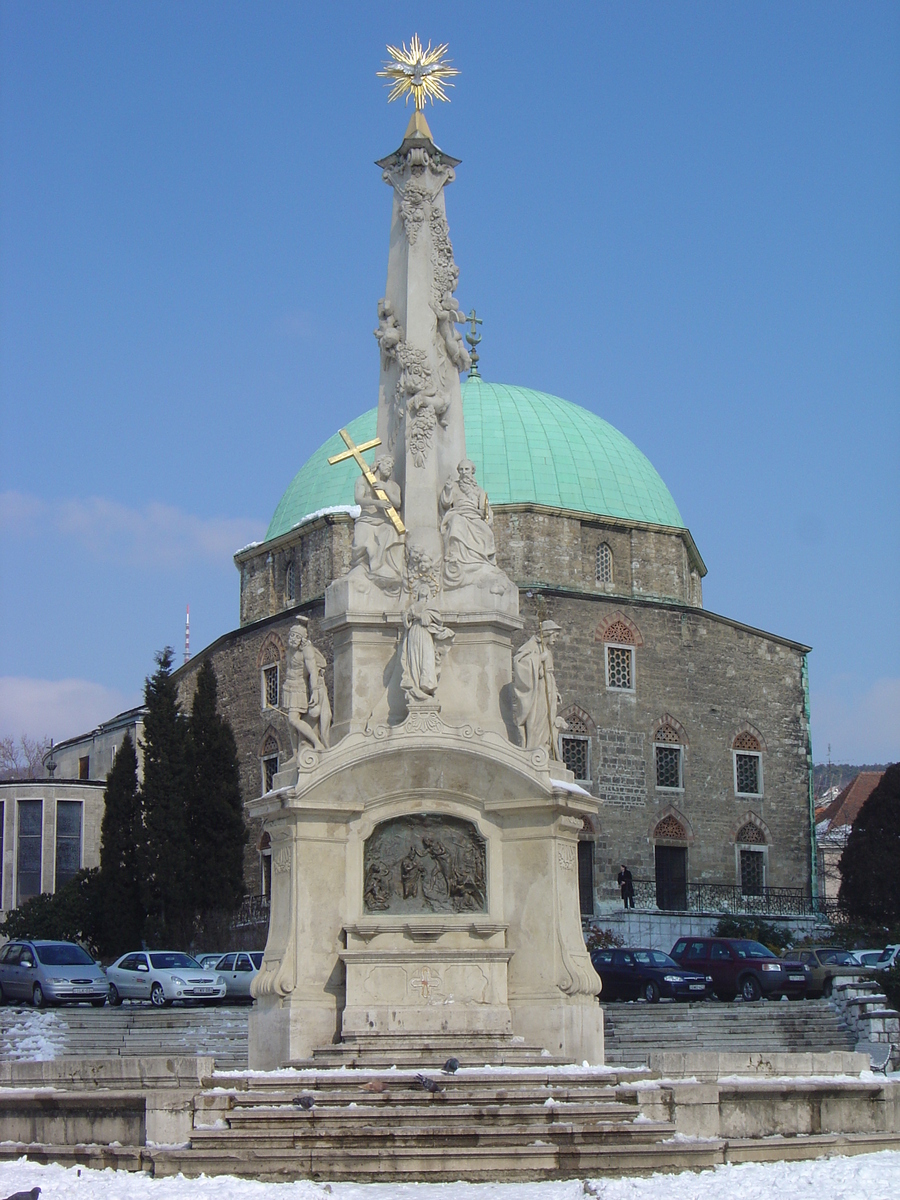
<point>270,668</point>
<point>668,752</point>
<point>269,760</point>
<point>747,754</point>
<point>604,564</point>
<point>290,582</point>
<point>751,861</point>
<point>575,743</point>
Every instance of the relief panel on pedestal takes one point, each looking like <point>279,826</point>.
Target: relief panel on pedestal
<point>425,863</point>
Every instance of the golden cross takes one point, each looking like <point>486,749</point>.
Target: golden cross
<point>355,452</point>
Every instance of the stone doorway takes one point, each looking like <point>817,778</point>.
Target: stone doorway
<point>671,878</point>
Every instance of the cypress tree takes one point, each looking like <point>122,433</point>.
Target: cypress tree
<point>215,818</point>
<point>121,856</point>
<point>870,864</point>
<point>164,798</point>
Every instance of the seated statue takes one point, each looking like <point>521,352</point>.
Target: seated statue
<point>466,529</point>
<point>377,547</point>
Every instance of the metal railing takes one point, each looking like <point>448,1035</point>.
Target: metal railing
<point>254,910</point>
<point>728,898</point>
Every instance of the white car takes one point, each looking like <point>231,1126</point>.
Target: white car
<point>162,977</point>
<point>239,970</point>
<point>888,958</point>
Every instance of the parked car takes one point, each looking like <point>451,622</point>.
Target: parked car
<point>162,977</point>
<point>633,973</point>
<point>887,959</point>
<point>867,958</point>
<point>827,963</point>
<point>47,972</point>
<point>238,970</point>
<point>742,967</point>
<point>208,961</point>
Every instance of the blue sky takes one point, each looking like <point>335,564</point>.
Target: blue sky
<point>683,216</point>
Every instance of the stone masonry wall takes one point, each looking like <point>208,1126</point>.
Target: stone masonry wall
<point>711,675</point>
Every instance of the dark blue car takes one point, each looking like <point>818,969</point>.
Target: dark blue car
<point>634,974</point>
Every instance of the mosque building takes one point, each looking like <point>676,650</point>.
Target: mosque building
<point>691,728</point>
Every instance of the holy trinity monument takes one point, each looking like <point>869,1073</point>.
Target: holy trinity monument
<point>424,833</point>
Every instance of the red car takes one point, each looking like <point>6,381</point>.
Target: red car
<point>739,966</point>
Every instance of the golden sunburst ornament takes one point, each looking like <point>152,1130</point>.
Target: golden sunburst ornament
<point>418,72</point>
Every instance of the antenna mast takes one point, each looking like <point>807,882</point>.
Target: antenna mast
<point>187,634</point>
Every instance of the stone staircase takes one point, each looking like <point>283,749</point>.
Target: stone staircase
<point>396,1050</point>
<point>634,1031</point>
<point>517,1124</point>
<point>133,1029</point>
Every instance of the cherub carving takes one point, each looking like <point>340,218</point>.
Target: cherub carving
<point>389,332</point>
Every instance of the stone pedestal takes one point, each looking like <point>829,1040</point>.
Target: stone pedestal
<point>486,939</point>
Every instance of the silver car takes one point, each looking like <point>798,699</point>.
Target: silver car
<point>50,973</point>
<point>239,970</point>
<point>162,977</point>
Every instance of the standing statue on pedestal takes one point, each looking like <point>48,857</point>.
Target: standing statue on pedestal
<point>377,546</point>
<point>466,528</point>
<point>422,650</point>
<point>304,697</point>
<point>536,702</point>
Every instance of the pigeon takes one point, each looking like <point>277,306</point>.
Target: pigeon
<point>430,1085</point>
<point>305,1101</point>
<point>31,1195</point>
<point>374,1085</point>
<point>451,1066</point>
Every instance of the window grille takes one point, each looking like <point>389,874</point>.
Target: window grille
<point>576,753</point>
<point>619,668</point>
<point>604,564</point>
<point>670,827</point>
<point>68,840</point>
<point>269,760</point>
<point>619,632</point>
<point>752,872</point>
<point>668,767</point>
<point>746,741</point>
<point>270,686</point>
<point>746,774</point>
<point>666,733</point>
<point>751,834</point>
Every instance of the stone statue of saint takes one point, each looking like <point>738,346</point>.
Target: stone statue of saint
<point>377,546</point>
<point>304,696</point>
<point>536,700</point>
<point>466,528</point>
<point>422,651</point>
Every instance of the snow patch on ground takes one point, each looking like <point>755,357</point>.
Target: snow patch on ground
<point>35,1036</point>
<point>873,1176</point>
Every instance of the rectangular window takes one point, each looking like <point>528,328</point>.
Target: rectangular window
<point>752,872</point>
<point>620,667</point>
<point>68,840</point>
<point>270,770</point>
<point>668,768</point>
<point>747,774</point>
<point>270,686</point>
<point>576,753</point>
<point>84,767</point>
<point>28,862</point>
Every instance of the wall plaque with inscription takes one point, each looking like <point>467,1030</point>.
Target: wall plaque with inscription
<point>425,863</point>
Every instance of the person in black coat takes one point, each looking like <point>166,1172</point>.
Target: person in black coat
<point>626,885</point>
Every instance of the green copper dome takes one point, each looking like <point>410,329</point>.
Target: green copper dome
<point>528,447</point>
